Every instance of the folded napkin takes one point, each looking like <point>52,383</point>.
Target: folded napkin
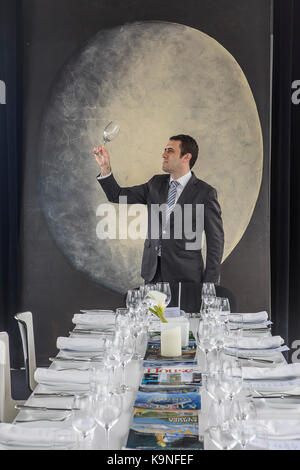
<point>279,428</point>
<point>286,371</point>
<point>43,375</point>
<point>269,342</point>
<point>80,344</point>
<point>99,321</point>
<point>45,437</point>
<point>248,317</point>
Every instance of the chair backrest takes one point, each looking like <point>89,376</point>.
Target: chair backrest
<point>25,323</point>
<point>7,404</point>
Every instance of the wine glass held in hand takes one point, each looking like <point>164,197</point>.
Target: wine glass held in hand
<point>101,153</point>
<point>110,132</point>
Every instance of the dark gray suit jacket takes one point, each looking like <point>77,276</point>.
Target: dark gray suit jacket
<point>177,263</point>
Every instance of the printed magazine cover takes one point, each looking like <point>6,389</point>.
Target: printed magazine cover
<point>164,430</point>
<point>183,399</point>
<point>153,354</point>
<point>171,377</point>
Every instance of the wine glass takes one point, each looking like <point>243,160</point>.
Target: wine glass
<point>133,299</point>
<point>206,339</point>
<point>224,305</point>
<point>126,353</point>
<point>208,289</point>
<point>122,322</point>
<point>111,356</point>
<point>107,411</point>
<point>99,377</point>
<point>231,379</point>
<point>110,132</point>
<point>136,327</point>
<point>83,420</point>
<point>219,426</point>
<point>243,421</point>
<point>164,287</point>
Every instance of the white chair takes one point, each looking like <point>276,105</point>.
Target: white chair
<point>25,323</point>
<point>7,404</point>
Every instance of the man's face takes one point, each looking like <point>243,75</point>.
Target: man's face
<point>171,157</point>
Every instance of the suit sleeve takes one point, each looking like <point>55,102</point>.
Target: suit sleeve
<point>135,194</point>
<point>213,227</point>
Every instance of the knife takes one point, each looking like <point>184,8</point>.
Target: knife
<point>267,361</point>
<point>53,394</point>
<point>77,359</point>
<point>278,396</point>
<point>42,408</point>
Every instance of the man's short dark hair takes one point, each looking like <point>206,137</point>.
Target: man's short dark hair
<point>188,145</point>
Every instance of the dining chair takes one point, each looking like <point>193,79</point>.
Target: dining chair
<point>25,323</point>
<point>7,404</point>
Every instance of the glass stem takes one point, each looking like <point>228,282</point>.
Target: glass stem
<point>123,370</point>
<point>107,436</point>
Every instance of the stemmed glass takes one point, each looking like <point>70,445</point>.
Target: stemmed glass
<point>206,339</point>
<point>231,379</point>
<point>107,411</point>
<point>219,426</point>
<point>110,132</point>
<point>133,299</point>
<point>243,421</point>
<point>83,420</point>
<point>99,377</point>
<point>136,327</point>
<point>208,289</point>
<point>164,287</point>
<point>122,322</point>
<point>111,356</point>
<point>126,352</point>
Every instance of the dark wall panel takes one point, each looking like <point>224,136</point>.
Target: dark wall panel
<point>54,30</point>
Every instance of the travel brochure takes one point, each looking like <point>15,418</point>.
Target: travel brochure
<point>168,401</point>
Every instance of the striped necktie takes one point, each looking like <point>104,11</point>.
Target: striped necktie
<point>171,198</point>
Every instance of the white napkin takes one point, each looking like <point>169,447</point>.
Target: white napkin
<point>46,437</point>
<point>279,428</point>
<point>269,342</point>
<point>285,371</point>
<point>249,317</point>
<point>80,344</point>
<point>99,321</point>
<point>43,375</point>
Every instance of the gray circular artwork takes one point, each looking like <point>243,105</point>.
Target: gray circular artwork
<point>155,79</point>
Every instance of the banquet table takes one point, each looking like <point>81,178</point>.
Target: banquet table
<point>119,433</point>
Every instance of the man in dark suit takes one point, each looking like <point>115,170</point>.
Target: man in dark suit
<point>168,257</point>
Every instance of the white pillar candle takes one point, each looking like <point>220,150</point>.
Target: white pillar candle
<point>185,329</point>
<point>170,340</point>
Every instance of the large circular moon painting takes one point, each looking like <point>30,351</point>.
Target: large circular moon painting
<point>155,79</point>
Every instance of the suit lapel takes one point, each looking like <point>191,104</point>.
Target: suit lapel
<point>188,191</point>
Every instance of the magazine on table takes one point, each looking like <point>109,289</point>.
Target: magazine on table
<point>171,377</point>
<point>169,399</point>
<point>153,354</point>
<point>164,430</point>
